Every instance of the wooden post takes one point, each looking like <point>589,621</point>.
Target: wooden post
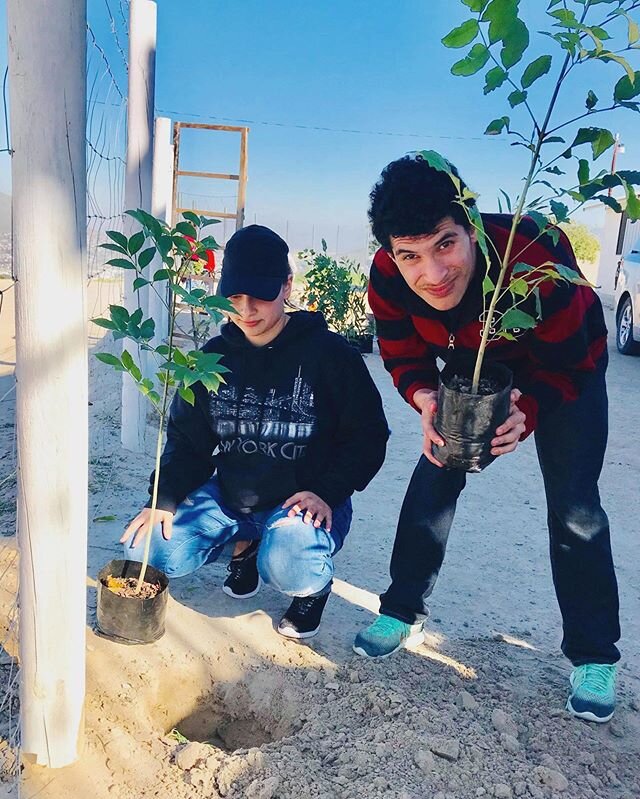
<point>47,68</point>
<point>142,67</point>
<point>242,183</point>
<point>161,207</point>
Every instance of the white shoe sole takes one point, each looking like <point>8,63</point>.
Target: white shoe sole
<point>289,632</point>
<point>230,593</point>
<point>587,715</point>
<point>411,642</point>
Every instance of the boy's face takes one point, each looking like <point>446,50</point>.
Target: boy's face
<point>438,266</point>
<point>260,320</point>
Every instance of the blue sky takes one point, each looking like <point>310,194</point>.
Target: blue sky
<point>373,66</point>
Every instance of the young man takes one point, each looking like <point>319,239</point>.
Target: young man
<point>269,462</point>
<point>426,294</point>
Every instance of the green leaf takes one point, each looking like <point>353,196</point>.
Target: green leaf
<point>494,78</point>
<point>611,202</point>
<point>191,217</point>
<point>105,323</point>
<point>599,138</point>
<point>536,69</point>
<point>179,357</point>
<point>540,219</point>
<point>127,359</point>
<point>633,203</point>
<point>501,16</point>
<point>111,360</point>
<point>554,233</point>
<point>136,241</point>
<point>516,98</point>
<point>162,274</point>
<point>626,89</point>
<point>435,161</point>
<point>207,221</point>
<point>181,244</point>
<point>507,199</point>
<point>136,317</point>
<point>554,170</point>
<point>475,5</point>
<point>515,319</point>
<point>114,248</point>
<point>146,256</point>
<point>122,263</point>
<point>473,62</point>
<point>591,100</point>
<point>165,243</point>
<point>608,56</point>
<point>187,230</point>
<point>147,328</point>
<point>515,44</point>
<point>120,315</point>
<point>118,237</point>
<point>187,395</point>
<point>521,268</point>
<point>634,30</point>
<point>139,282</point>
<point>488,286</point>
<point>496,126</point>
<point>462,35</point>
<point>209,243</point>
<point>583,171</point>
<point>560,211</point>
<point>519,287</point>
<point>105,519</point>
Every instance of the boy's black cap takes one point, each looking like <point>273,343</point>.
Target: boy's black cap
<point>255,263</point>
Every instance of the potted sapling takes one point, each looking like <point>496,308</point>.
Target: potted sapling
<point>132,596</point>
<point>474,396</point>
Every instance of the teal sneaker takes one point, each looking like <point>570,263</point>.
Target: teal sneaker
<point>385,636</point>
<point>593,694</point>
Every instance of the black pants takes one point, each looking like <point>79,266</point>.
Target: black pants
<point>571,442</point>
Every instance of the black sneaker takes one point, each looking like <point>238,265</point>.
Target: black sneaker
<point>243,581</point>
<point>302,619</point>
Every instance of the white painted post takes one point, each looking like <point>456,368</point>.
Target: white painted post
<point>161,207</point>
<point>47,68</point>
<point>142,68</point>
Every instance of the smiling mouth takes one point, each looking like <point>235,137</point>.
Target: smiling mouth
<point>442,290</point>
<point>250,324</point>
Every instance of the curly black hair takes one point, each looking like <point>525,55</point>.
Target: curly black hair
<point>411,198</point>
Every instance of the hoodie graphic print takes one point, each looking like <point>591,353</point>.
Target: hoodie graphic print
<point>273,423</point>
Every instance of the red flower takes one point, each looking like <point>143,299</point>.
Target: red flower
<point>210,264</point>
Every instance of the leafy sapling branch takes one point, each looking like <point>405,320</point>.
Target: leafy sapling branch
<point>174,248</point>
<point>581,32</point>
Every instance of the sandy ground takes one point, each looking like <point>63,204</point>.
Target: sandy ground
<point>476,711</point>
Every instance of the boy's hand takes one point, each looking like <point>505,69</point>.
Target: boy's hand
<point>313,505</point>
<point>508,434</point>
<point>426,400</point>
<point>140,525</point>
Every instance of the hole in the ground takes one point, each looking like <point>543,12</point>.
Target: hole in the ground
<point>212,723</point>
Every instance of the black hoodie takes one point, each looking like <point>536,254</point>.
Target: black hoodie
<point>298,414</point>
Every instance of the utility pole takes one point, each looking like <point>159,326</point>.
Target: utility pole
<point>47,79</point>
<point>137,192</point>
<point>617,148</point>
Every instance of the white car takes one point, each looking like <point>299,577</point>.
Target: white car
<point>627,304</point>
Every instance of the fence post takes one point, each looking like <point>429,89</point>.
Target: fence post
<point>47,67</point>
<point>137,193</point>
<point>161,207</point>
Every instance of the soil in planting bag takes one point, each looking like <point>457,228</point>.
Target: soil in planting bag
<point>131,619</point>
<point>467,422</point>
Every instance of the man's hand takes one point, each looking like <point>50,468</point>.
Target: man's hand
<point>426,400</point>
<point>140,525</point>
<point>508,434</point>
<point>314,507</point>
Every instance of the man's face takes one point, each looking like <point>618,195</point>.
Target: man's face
<point>439,266</point>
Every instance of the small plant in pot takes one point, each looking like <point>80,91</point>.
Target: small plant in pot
<point>132,596</point>
<point>338,289</point>
<point>474,394</point>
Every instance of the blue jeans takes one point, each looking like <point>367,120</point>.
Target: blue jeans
<point>294,558</point>
<point>570,442</point>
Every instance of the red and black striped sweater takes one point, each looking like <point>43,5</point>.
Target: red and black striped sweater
<point>549,362</point>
